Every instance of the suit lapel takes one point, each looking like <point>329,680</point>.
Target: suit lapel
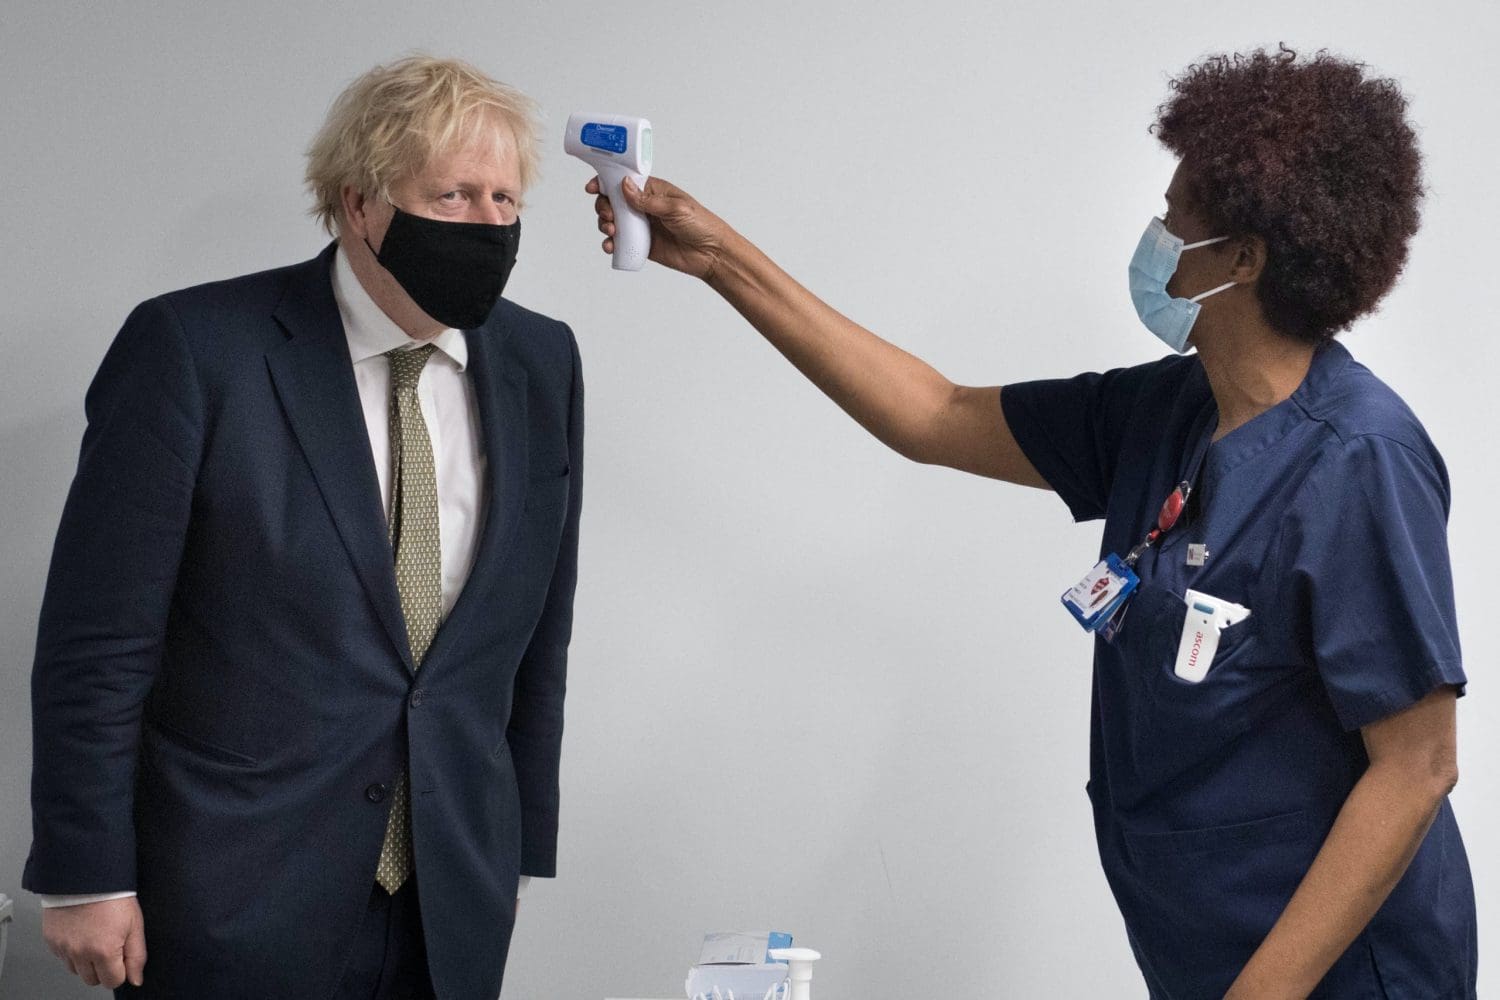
<point>314,379</point>
<point>500,390</point>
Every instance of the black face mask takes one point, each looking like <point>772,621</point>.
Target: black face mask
<point>454,270</point>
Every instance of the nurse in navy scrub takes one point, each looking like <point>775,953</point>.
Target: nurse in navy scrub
<point>1277,659</point>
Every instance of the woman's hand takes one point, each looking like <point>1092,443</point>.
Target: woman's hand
<point>685,236</point>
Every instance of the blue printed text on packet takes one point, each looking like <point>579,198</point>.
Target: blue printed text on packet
<point>611,138</point>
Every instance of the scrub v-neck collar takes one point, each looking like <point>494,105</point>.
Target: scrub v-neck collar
<point>1265,430</point>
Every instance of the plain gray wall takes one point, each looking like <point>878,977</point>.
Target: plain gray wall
<point>814,687</point>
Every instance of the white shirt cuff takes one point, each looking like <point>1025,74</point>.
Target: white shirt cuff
<point>523,885</point>
<point>98,897</point>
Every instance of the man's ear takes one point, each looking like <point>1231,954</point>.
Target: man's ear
<point>352,218</point>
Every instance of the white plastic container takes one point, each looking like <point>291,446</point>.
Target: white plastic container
<point>799,969</point>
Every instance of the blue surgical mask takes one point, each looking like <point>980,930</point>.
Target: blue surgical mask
<point>1153,265</point>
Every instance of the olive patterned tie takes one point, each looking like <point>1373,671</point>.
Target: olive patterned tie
<point>419,578</point>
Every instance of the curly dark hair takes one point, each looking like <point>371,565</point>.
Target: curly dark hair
<point>1314,157</point>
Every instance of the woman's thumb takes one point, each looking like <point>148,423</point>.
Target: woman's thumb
<point>647,201</point>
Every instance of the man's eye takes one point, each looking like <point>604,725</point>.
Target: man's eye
<point>502,198</point>
<point>449,196</point>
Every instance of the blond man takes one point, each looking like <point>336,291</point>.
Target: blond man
<point>300,666</point>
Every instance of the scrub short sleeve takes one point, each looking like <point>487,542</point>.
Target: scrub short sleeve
<point>1072,431</point>
<point>1368,554</point>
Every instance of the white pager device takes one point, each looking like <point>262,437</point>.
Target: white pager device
<point>617,147</point>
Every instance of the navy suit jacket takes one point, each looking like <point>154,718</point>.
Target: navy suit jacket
<point>223,692</point>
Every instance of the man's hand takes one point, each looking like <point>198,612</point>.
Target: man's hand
<point>100,943</point>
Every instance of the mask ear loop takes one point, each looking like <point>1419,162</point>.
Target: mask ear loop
<point>1213,291</point>
<point>397,210</point>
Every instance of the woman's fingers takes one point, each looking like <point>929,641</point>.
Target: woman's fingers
<point>685,237</point>
<point>658,198</point>
<point>651,201</point>
<point>604,209</point>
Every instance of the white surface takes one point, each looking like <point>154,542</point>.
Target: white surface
<point>967,178</point>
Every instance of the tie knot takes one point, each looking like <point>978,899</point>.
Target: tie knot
<point>407,365</point>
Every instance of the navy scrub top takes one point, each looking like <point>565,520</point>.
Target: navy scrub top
<point>1326,516</point>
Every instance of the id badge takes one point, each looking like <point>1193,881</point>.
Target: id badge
<point>1094,599</point>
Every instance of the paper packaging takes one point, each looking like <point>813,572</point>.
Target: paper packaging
<point>738,961</point>
<point>741,947</point>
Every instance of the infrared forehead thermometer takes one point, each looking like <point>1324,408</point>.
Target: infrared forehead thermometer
<point>617,147</point>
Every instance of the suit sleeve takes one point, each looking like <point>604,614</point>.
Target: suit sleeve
<point>536,720</point>
<point>104,613</point>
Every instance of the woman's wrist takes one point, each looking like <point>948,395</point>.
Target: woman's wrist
<point>730,268</point>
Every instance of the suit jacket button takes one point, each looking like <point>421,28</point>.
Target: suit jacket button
<point>375,792</point>
<point>416,697</point>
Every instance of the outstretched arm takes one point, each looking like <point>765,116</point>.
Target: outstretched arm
<point>900,399</point>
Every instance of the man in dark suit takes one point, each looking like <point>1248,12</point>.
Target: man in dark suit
<point>300,667</point>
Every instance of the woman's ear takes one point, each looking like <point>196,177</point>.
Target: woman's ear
<point>1249,259</point>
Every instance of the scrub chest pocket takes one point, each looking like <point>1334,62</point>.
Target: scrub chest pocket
<point>1184,877</point>
<point>1177,723</point>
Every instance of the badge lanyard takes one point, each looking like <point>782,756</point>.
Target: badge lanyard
<point>1166,519</point>
<point>1096,599</point>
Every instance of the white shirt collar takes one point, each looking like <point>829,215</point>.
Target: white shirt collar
<point>371,332</point>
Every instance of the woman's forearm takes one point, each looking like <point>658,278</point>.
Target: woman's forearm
<point>896,397</point>
<point>900,399</point>
<point>1373,840</point>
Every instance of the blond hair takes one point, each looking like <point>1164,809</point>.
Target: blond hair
<point>387,124</point>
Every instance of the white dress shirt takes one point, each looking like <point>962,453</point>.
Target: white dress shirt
<point>446,396</point>
<point>449,410</point>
